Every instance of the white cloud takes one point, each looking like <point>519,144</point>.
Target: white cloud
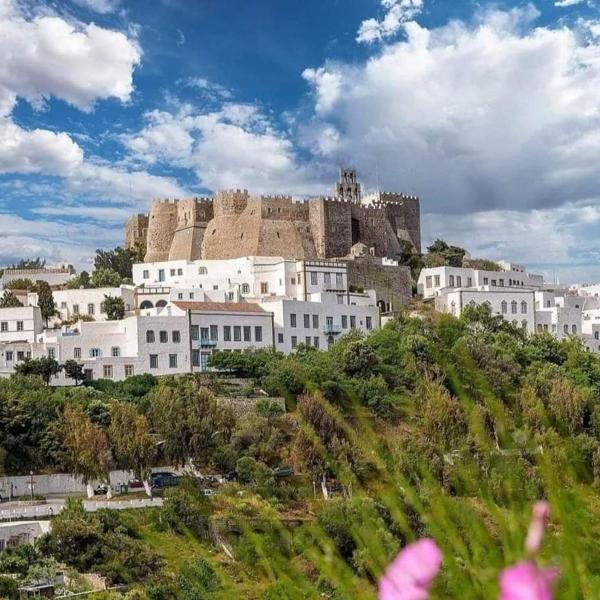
<point>99,6</point>
<point>493,114</point>
<point>48,56</point>
<point>209,88</point>
<point>234,146</point>
<point>565,3</point>
<point>397,13</point>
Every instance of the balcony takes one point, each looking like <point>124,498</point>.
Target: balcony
<point>331,329</point>
<point>206,343</point>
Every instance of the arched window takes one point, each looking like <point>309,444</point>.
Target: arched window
<point>161,304</point>
<point>146,304</point>
<point>504,307</point>
<point>202,270</point>
<point>513,307</point>
<point>524,307</point>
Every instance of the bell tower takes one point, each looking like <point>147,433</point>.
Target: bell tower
<point>348,187</point>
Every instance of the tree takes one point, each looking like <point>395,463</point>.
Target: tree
<point>131,441</point>
<point>45,367</point>
<point>86,448</point>
<point>114,307</point>
<point>74,370</point>
<point>81,281</point>
<point>45,300</point>
<point>441,254</point>
<point>30,263</point>
<point>9,300</point>
<point>120,260</point>
<point>105,278</point>
<point>20,284</point>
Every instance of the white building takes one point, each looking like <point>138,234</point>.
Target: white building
<point>515,305</point>
<point>54,276</point>
<point>433,281</point>
<point>21,532</point>
<point>20,324</point>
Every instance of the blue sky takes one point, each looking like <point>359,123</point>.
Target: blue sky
<point>488,111</point>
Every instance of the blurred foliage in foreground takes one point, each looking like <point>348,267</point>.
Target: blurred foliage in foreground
<point>431,426</point>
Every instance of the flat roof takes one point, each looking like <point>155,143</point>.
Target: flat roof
<point>247,307</point>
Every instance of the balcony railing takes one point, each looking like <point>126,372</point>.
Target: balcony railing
<point>206,343</point>
<point>331,329</point>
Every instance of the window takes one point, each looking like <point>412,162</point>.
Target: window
<point>314,278</point>
<point>195,333</point>
<point>299,278</point>
<point>524,324</point>
<point>339,280</point>
<point>493,282</point>
<point>245,288</point>
<point>344,321</point>
<point>451,280</point>
<point>258,333</point>
<point>596,335</point>
<point>107,371</point>
<point>204,360</point>
<point>214,333</point>
<point>149,336</point>
<point>204,333</point>
<point>574,329</point>
<point>19,325</point>
<point>4,326</point>
<point>173,272</point>
<point>280,338</point>
<point>91,309</point>
<point>316,341</point>
<point>202,271</point>
<point>306,321</point>
<point>294,341</point>
<point>146,274</point>
<point>76,352</point>
<point>129,371</point>
<point>523,307</point>
<point>264,287</point>
<point>176,337</point>
<point>154,361</point>
<point>327,281</point>
<point>95,353</point>
<point>436,280</point>
<point>486,281</point>
<point>469,281</point>
<point>307,340</point>
<point>180,296</point>
<point>247,333</point>
<point>315,321</point>
<point>428,281</point>
<point>504,307</point>
<point>369,322</point>
<point>293,281</point>
<point>227,333</point>
<point>215,287</point>
<point>191,294</point>
<point>458,281</point>
<point>340,298</point>
<point>163,336</point>
<point>179,272</point>
<point>195,358</point>
<point>566,328</point>
<point>9,355</point>
<point>513,307</point>
<point>161,274</point>
<point>20,355</point>
<point>292,319</point>
<point>501,282</point>
<point>172,361</point>
<point>237,333</point>
<point>115,351</point>
<point>352,322</point>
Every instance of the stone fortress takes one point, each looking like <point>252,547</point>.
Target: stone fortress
<point>233,224</point>
<point>360,229</point>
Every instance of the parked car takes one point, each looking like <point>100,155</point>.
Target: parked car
<point>135,484</point>
<point>283,471</point>
<point>163,479</point>
<point>101,490</point>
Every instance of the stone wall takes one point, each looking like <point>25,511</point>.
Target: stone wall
<point>136,231</point>
<point>193,216</point>
<point>161,229</point>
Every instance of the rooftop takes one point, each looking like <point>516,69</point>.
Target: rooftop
<point>247,307</point>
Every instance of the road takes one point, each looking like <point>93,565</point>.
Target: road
<point>18,510</point>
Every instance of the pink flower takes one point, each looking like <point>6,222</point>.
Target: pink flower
<point>410,575</point>
<point>527,581</point>
<point>539,520</point>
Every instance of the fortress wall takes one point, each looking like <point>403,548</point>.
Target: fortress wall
<point>338,227</point>
<point>230,202</point>
<point>136,231</point>
<point>161,229</point>
<point>283,207</point>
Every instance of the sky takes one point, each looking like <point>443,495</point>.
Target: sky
<point>488,111</point>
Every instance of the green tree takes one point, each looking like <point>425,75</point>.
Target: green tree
<point>86,447</point>
<point>120,260</point>
<point>20,284</point>
<point>9,300</point>
<point>74,370</point>
<point>131,441</point>
<point>114,307</point>
<point>45,367</point>
<point>81,281</point>
<point>105,278</point>
<point>45,300</point>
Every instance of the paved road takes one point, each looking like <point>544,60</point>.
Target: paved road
<point>18,511</point>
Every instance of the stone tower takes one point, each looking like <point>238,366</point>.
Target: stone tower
<point>136,233</point>
<point>162,223</point>
<point>193,216</point>
<point>348,186</point>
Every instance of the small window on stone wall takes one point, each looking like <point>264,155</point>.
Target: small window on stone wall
<point>214,231</point>
<point>278,235</point>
